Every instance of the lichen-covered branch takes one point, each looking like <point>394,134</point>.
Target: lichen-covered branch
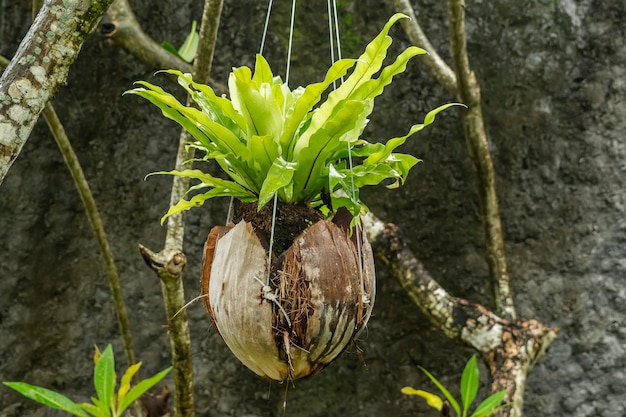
<point>170,262</point>
<point>442,71</point>
<point>469,94</point>
<point>39,67</point>
<point>510,348</point>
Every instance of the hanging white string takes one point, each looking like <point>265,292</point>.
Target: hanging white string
<point>333,17</point>
<point>267,22</point>
<point>331,39</point>
<point>293,18</point>
<point>263,38</point>
<point>337,32</point>
<point>273,228</point>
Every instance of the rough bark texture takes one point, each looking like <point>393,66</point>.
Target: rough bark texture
<point>551,76</point>
<point>39,67</point>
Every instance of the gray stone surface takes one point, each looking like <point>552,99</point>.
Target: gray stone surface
<point>553,76</point>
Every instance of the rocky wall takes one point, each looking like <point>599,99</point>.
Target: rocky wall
<point>553,77</point>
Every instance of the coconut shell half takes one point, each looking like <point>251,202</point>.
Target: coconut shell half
<point>316,300</point>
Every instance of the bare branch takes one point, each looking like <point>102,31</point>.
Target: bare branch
<point>39,67</point>
<point>91,209</point>
<point>478,147</point>
<point>442,72</point>
<point>170,262</point>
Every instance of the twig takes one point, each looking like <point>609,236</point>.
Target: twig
<point>469,93</point>
<point>510,348</point>
<point>71,160</point>
<point>442,72</point>
<point>125,30</point>
<point>170,262</point>
<point>39,67</point>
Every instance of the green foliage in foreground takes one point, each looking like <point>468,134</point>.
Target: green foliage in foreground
<point>469,388</point>
<point>107,403</point>
<point>270,139</point>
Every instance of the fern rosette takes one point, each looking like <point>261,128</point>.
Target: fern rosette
<point>270,139</point>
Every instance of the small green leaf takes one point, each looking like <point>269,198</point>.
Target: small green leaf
<point>444,391</point>
<point>431,399</point>
<point>104,378</point>
<point>490,404</point>
<point>142,388</point>
<point>188,49</point>
<point>47,397</point>
<point>92,409</point>
<point>469,383</point>
<point>261,109</point>
<point>278,176</point>
<point>348,195</point>
<point>170,48</point>
<point>199,199</point>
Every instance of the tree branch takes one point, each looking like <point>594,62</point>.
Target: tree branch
<point>125,30</point>
<point>469,93</point>
<point>170,262</point>
<point>442,72</point>
<point>91,209</point>
<point>510,348</point>
<point>39,67</point>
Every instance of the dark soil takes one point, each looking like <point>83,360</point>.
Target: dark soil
<point>291,220</point>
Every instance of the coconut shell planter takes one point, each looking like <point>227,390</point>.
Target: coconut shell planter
<point>288,288</point>
<point>318,298</point>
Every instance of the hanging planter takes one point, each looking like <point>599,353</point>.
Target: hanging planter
<point>316,301</point>
<point>289,314</point>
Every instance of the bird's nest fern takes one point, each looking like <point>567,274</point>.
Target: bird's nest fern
<point>270,139</point>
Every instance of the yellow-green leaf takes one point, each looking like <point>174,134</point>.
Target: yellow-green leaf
<point>125,384</point>
<point>431,399</point>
